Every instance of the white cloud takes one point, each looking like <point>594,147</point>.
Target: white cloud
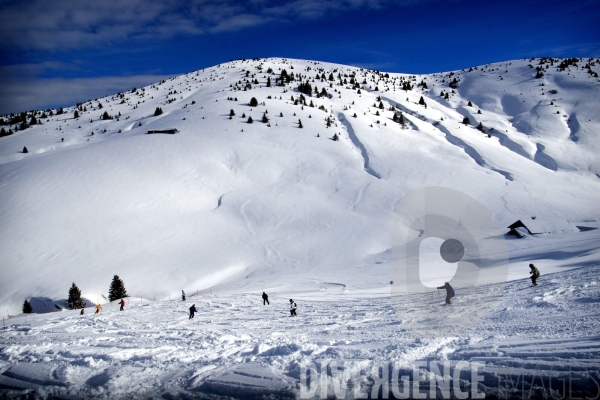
<point>18,95</point>
<point>49,25</point>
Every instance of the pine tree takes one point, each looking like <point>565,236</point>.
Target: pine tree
<point>470,104</point>
<point>25,150</point>
<point>250,120</point>
<point>402,121</point>
<point>158,111</point>
<point>76,114</point>
<point>105,116</point>
<point>300,124</point>
<point>264,118</point>
<point>117,289</point>
<point>466,121</point>
<point>27,309</point>
<point>74,300</point>
<point>231,113</point>
<point>253,102</point>
<point>269,82</point>
<point>33,120</point>
<point>480,127</point>
<point>422,101</point>
<point>335,137</point>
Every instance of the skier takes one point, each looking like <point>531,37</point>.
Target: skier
<point>293,308</point>
<point>535,273</point>
<point>182,295</point>
<point>192,311</point>
<point>98,308</point>
<point>265,298</point>
<point>122,303</point>
<point>449,292</point>
<point>82,311</point>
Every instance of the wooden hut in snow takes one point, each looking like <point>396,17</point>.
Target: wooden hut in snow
<point>533,226</point>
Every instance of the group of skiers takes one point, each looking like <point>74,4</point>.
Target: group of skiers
<point>535,274</point>
<point>293,305</point>
<point>265,297</point>
<point>99,307</point>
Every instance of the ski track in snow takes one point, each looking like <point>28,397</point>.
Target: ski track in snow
<point>153,350</point>
<point>359,145</point>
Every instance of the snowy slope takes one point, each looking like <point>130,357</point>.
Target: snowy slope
<point>246,206</point>
<point>237,347</point>
<point>232,208</point>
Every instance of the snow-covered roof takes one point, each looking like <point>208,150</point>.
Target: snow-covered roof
<point>537,226</point>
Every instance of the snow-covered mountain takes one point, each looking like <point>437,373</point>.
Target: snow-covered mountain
<point>225,209</point>
<point>241,206</point>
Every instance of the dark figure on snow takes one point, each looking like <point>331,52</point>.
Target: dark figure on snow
<point>265,299</point>
<point>293,308</point>
<point>192,311</point>
<point>122,303</point>
<point>449,292</point>
<point>82,311</point>
<point>535,273</point>
<point>182,295</point>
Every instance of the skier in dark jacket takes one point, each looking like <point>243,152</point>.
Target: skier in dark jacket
<point>449,292</point>
<point>535,273</point>
<point>265,298</point>
<point>292,309</point>
<point>192,311</point>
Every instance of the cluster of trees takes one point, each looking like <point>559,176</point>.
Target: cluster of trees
<point>158,111</point>
<point>399,118</point>
<point>75,301</point>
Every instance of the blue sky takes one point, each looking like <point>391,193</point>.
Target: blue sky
<point>61,52</point>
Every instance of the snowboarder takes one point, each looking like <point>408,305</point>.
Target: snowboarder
<point>265,298</point>
<point>182,295</point>
<point>192,311</point>
<point>122,303</point>
<point>98,308</point>
<point>535,273</point>
<point>293,308</point>
<point>449,292</point>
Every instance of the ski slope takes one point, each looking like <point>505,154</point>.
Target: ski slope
<point>233,208</point>
<point>237,347</point>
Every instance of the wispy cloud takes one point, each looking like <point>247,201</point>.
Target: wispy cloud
<point>39,93</point>
<point>71,24</point>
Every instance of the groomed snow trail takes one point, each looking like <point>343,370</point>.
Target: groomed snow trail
<point>235,346</point>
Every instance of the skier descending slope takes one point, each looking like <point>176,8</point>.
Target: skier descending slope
<point>98,308</point>
<point>293,308</point>
<point>265,298</point>
<point>192,311</point>
<point>535,273</point>
<point>449,292</point>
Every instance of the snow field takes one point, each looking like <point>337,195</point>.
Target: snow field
<point>234,343</point>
